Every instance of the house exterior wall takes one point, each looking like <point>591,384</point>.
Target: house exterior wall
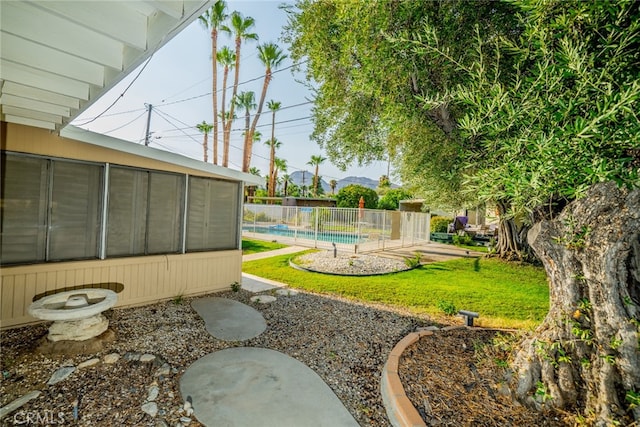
<point>142,279</point>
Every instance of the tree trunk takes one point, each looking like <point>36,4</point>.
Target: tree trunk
<point>225,132</point>
<point>512,240</point>
<point>586,354</point>
<point>214,91</point>
<point>249,137</point>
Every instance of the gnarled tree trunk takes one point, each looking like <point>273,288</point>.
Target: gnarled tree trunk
<point>512,240</point>
<point>586,353</point>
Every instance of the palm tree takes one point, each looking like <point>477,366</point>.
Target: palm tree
<point>280,165</point>
<point>251,189</point>
<point>273,144</point>
<point>226,58</point>
<point>246,100</point>
<point>333,184</point>
<point>271,57</point>
<point>316,161</point>
<point>286,178</point>
<point>240,28</point>
<point>212,19</point>
<point>273,106</point>
<point>205,128</point>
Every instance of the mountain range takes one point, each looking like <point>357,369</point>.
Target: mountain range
<point>300,178</point>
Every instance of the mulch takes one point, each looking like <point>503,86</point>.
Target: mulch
<point>457,377</point>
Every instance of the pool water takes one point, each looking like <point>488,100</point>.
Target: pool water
<point>283,230</point>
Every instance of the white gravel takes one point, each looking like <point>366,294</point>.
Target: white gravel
<point>349,264</point>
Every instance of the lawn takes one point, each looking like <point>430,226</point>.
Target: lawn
<point>250,246</point>
<point>505,294</point>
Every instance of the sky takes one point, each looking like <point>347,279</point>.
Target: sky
<point>177,80</point>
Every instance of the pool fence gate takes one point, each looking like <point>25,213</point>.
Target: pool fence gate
<point>350,229</point>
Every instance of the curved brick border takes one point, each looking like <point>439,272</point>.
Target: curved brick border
<point>400,410</point>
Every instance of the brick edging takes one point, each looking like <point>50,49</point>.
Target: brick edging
<point>400,410</point>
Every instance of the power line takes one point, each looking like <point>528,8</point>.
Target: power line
<point>162,114</point>
<point>124,125</point>
<point>228,87</point>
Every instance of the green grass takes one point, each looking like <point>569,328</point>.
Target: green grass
<point>505,294</point>
<point>250,246</point>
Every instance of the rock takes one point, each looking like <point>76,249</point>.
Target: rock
<point>153,393</point>
<point>185,421</point>
<point>150,408</point>
<point>78,330</point>
<point>164,370</point>
<point>263,299</point>
<point>147,357</point>
<point>88,363</point>
<point>160,422</point>
<point>61,374</point>
<point>111,358</point>
<point>90,346</point>
<point>9,408</point>
<point>189,412</point>
<point>131,356</point>
<point>187,405</point>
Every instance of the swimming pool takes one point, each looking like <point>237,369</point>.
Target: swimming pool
<point>325,236</point>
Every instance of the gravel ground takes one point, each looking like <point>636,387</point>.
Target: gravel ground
<point>134,381</point>
<point>346,343</point>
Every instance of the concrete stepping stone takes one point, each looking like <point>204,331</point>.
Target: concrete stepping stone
<point>263,299</point>
<point>19,402</point>
<point>247,386</point>
<point>229,320</point>
<point>287,292</point>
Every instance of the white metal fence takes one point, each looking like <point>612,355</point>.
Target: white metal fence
<point>353,230</point>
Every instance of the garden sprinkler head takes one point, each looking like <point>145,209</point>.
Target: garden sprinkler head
<point>335,250</point>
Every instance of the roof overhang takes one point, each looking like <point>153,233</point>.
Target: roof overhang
<point>88,137</point>
<point>58,57</point>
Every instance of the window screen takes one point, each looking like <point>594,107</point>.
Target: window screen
<point>76,206</point>
<point>127,211</point>
<point>164,226</point>
<point>212,218</point>
<point>23,209</point>
<point>144,214</point>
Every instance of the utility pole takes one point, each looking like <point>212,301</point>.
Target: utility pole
<point>147,136</point>
<point>304,187</point>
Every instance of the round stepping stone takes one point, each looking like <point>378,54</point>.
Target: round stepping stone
<point>248,386</point>
<point>287,292</point>
<point>229,320</point>
<point>263,299</point>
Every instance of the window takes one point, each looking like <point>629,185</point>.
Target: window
<point>24,209</point>
<point>75,210</point>
<point>212,221</point>
<point>50,209</point>
<point>144,214</point>
<point>127,211</point>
